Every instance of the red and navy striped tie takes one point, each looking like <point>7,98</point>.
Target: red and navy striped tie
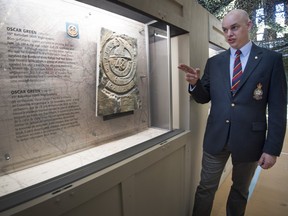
<point>237,72</point>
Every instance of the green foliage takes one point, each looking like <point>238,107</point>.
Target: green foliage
<point>219,8</point>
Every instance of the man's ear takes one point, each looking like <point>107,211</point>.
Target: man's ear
<point>250,24</point>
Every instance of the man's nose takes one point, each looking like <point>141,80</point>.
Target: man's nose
<point>229,32</point>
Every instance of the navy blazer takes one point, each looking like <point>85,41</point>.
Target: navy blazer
<point>252,121</point>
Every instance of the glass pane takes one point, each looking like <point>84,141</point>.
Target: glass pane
<point>280,18</point>
<point>159,77</point>
<point>260,37</point>
<point>75,79</point>
<point>279,7</point>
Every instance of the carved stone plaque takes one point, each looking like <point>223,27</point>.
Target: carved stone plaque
<point>117,88</point>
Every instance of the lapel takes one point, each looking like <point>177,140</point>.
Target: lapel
<point>253,60</point>
<point>225,68</point>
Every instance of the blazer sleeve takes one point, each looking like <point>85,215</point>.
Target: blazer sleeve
<point>277,108</point>
<point>201,91</point>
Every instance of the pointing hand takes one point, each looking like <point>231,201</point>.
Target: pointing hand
<point>192,75</point>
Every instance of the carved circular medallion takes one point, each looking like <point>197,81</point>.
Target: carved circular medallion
<point>119,63</point>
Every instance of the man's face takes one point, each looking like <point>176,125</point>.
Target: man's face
<point>236,30</point>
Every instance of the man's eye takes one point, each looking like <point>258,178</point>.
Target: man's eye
<point>234,28</point>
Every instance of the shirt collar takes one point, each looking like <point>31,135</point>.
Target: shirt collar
<point>245,49</point>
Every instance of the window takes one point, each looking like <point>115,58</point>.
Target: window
<point>280,18</point>
<point>260,23</point>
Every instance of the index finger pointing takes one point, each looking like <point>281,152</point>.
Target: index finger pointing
<point>186,68</point>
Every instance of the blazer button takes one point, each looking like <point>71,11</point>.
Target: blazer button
<point>233,104</point>
<point>227,121</point>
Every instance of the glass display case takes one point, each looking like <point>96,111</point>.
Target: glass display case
<point>82,87</point>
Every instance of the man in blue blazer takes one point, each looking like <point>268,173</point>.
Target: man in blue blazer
<point>247,119</point>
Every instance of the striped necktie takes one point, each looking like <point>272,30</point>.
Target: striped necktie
<point>237,72</point>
